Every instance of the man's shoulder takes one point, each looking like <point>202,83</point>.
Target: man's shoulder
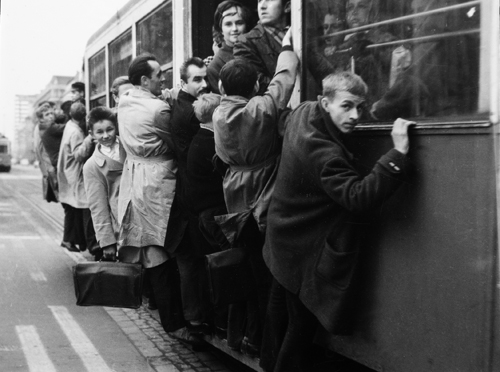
<point>255,33</point>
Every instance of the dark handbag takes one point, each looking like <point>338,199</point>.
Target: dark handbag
<point>113,284</point>
<point>230,277</point>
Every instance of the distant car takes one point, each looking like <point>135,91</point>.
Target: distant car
<point>5,154</point>
<point>24,162</point>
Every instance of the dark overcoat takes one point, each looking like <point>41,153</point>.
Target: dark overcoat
<point>312,236</point>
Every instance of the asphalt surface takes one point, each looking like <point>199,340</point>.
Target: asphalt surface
<point>41,328</point>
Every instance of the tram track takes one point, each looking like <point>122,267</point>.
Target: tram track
<point>52,220</point>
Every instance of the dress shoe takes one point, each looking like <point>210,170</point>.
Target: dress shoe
<point>69,246</point>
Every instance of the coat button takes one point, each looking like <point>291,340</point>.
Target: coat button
<point>394,167</point>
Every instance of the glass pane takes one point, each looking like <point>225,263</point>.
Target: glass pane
<point>97,72</point>
<point>120,56</point>
<point>419,58</point>
<point>154,34</point>
<point>3,149</point>
<point>98,102</point>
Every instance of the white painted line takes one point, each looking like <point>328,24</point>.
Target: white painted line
<point>25,237</point>
<point>30,262</point>
<point>36,356</point>
<point>79,341</point>
<point>38,276</point>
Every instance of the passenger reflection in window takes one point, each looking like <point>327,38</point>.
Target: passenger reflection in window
<point>332,24</point>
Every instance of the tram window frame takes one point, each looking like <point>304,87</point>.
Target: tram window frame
<point>112,63</point>
<point>479,114</point>
<point>168,38</point>
<point>98,94</point>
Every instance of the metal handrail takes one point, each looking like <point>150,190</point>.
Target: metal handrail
<point>404,18</point>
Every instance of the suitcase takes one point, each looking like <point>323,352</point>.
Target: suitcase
<point>113,284</point>
<point>230,277</point>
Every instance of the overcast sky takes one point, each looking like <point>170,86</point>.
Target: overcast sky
<point>43,38</point>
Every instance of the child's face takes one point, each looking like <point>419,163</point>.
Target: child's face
<point>104,132</point>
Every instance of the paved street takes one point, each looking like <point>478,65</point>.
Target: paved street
<point>41,328</point>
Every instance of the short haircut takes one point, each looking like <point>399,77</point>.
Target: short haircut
<point>43,108</point>
<point>119,81</point>
<point>238,78</point>
<point>245,13</point>
<point>205,106</point>
<point>100,113</point>
<point>196,61</point>
<point>78,86</point>
<point>344,82</point>
<point>50,103</point>
<point>140,67</point>
<point>65,106</point>
<point>77,111</point>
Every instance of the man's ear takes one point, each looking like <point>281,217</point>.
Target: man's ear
<point>288,7</point>
<point>144,81</point>
<point>221,89</point>
<point>324,103</point>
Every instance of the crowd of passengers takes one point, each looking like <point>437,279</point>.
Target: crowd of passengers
<point>171,175</point>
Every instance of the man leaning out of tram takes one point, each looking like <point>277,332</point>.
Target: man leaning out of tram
<point>312,235</point>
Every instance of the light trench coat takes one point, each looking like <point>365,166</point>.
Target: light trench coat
<point>102,177</point>
<point>147,187</point>
<point>247,138</point>
<point>75,150</point>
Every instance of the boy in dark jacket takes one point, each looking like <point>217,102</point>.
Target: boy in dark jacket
<point>312,235</point>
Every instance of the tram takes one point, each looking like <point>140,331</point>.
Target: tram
<point>429,277</point>
<point>5,154</point>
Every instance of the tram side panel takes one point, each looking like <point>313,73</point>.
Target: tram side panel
<point>426,289</point>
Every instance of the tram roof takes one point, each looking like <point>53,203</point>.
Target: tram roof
<point>113,20</point>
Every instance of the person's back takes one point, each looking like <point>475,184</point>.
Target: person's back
<point>247,136</point>
<point>51,140</point>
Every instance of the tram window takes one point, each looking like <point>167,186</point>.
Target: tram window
<point>120,56</point>
<point>419,58</point>
<point>4,149</point>
<point>101,101</point>
<point>97,74</point>
<point>154,34</point>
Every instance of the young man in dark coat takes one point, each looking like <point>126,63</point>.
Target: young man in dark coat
<point>312,235</point>
<point>262,45</point>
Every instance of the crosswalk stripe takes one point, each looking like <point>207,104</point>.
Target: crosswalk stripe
<point>36,356</point>
<point>36,274</point>
<point>79,340</point>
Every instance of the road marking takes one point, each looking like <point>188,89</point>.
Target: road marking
<point>31,264</point>
<point>25,237</point>
<point>36,356</point>
<point>79,341</point>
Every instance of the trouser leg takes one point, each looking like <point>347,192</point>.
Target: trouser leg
<point>298,341</point>
<point>275,327</point>
<point>89,232</point>
<point>165,285</point>
<point>69,234</point>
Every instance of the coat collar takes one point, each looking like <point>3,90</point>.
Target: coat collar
<point>139,91</point>
<point>101,159</point>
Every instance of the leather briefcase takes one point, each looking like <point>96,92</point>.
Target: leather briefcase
<point>113,284</point>
<point>230,277</point>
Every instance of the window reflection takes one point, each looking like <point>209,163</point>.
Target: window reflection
<point>120,56</point>
<point>154,34</point>
<point>97,74</point>
<point>420,58</point>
